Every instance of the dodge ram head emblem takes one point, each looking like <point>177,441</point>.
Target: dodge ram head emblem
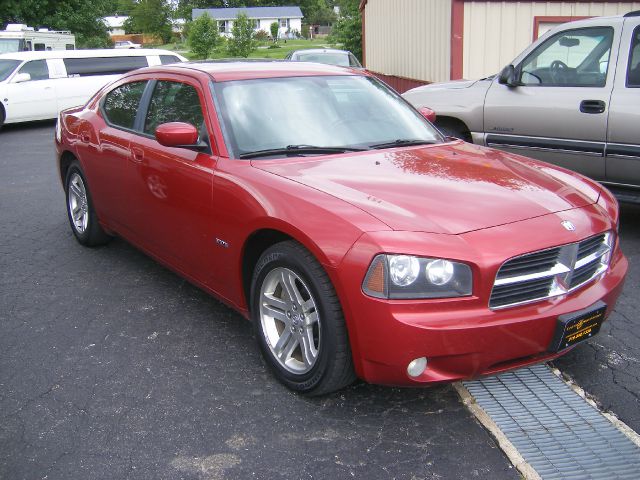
<point>568,225</point>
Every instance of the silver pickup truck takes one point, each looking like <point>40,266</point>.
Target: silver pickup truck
<point>571,98</point>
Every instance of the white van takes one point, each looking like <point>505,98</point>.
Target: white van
<point>38,85</point>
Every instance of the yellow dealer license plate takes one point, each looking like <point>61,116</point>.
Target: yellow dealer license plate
<point>576,327</point>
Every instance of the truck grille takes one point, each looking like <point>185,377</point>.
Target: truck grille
<point>551,272</point>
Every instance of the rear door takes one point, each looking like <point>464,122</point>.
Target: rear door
<point>105,149</point>
<point>623,143</point>
<point>559,112</point>
<point>34,99</point>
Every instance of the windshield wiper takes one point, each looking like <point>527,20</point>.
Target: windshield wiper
<point>299,150</point>
<point>402,142</point>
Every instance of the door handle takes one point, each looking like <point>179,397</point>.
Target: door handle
<point>592,106</point>
<point>137,154</point>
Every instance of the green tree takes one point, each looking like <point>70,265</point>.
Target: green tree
<point>82,18</point>
<point>242,43</point>
<point>347,31</point>
<point>274,27</point>
<point>151,17</point>
<point>317,11</point>
<point>203,36</point>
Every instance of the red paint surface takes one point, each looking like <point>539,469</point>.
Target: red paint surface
<point>454,200</point>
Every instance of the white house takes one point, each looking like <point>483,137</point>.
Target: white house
<point>288,18</point>
<point>115,24</point>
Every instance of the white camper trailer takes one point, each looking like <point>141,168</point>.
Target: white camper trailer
<point>18,38</point>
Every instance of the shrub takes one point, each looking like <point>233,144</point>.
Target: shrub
<point>203,36</point>
<point>242,43</point>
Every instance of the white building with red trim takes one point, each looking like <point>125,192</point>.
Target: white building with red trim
<point>412,42</point>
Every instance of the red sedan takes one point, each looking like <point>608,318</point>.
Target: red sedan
<point>359,241</point>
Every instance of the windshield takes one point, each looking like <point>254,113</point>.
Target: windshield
<point>7,67</point>
<point>11,45</point>
<point>330,111</point>
<point>339,59</point>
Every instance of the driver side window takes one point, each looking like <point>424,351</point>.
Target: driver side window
<point>573,58</point>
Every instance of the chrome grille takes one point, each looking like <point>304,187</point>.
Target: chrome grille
<point>550,272</point>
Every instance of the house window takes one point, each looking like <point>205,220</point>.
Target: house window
<point>284,23</point>
<point>223,26</point>
<point>255,24</point>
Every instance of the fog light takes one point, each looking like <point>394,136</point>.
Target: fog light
<point>417,367</point>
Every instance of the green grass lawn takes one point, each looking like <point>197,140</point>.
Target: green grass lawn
<point>261,52</point>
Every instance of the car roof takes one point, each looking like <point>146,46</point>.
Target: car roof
<point>321,50</point>
<point>226,71</point>
<point>104,52</point>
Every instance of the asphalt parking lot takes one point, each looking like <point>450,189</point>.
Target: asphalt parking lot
<point>113,367</point>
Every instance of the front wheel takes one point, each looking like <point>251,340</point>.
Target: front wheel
<point>81,213</point>
<point>298,321</point>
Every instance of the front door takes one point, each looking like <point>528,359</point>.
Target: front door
<point>171,200</point>
<point>559,111</point>
<point>623,147</point>
<point>34,99</point>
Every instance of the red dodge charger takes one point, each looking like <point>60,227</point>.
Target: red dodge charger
<point>359,241</point>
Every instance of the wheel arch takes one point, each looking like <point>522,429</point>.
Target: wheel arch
<point>264,236</point>
<point>65,161</point>
<point>455,124</point>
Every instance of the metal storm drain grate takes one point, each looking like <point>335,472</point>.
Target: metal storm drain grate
<point>555,431</point>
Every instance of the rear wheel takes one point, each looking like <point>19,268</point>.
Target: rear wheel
<point>298,321</point>
<point>82,216</point>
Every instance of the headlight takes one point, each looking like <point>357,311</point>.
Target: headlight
<point>406,276</point>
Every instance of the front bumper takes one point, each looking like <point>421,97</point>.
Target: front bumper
<point>462,338</point>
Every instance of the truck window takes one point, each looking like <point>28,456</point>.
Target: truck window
<point>633,71</point>
<point>70,46</point>
<point>37,69</point>
<point>39,47</point>
<point>82,67</point>
<point>573,58</point>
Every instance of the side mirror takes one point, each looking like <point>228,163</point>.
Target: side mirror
<point>427,113</point>
<point>21,77</point>
<point>179,135</point>
<point>508,76</point>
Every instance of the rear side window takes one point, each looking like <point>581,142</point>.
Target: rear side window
<point>173,102</point>
<point>167,59</point>
<point>633,72</point>
<point>83,67</point>
<point>121,104</point>
<point>37,69</point>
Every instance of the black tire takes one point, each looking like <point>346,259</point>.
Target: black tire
<point>91,234</point>
<point>2,116</point>
<point>333,367</point>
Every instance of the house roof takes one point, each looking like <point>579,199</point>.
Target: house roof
<point>251,12</point>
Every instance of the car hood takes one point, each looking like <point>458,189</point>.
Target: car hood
<point>450,188</point>
<point>455,84</point>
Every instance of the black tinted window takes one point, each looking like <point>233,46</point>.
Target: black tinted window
<point>167,59</point>
<point>38,47</point>
<point>633,74</point>
<point>173,102</point>
<point>121,104</point>
<point>37,69</point>
<point>70,46</point>
<point>82,67</point>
